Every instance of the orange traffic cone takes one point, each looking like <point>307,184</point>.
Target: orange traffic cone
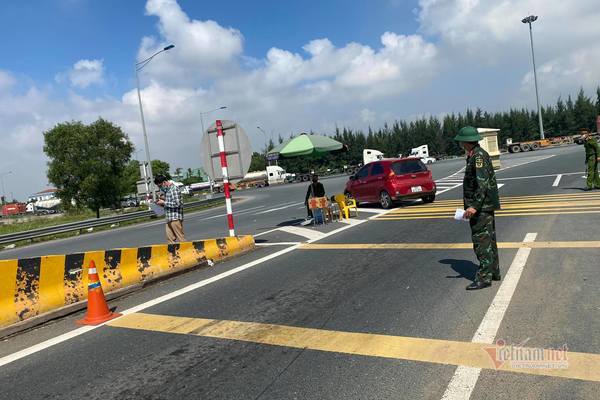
<point>97,309</point>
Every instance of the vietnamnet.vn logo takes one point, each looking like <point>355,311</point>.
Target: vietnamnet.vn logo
<point>520,357</point>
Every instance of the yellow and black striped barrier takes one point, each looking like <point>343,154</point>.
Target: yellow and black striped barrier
<point>34,286</point>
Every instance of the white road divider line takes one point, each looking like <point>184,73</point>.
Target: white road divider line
<point>557,180</point>
<point>278,244</point>
<point>538,176</point>
<point>279,208</point>
<point>239,212</point>
<point>305,232</point>
<point>535,159</point>
<point>465,378</point>
<point>371,210</point>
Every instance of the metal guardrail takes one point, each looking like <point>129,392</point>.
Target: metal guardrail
<point>91,223</point>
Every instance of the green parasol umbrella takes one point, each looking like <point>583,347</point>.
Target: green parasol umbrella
<point>312,146</point>
<point>307,145</point>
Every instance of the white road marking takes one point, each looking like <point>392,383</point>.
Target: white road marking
<point>265,232</point>
<point>557,180</point>
<point>278,208</point>
<point>371,210</point>
<point>535,159</point>
<point>305,232</point>
<point>278,244</point>
<point>500,185</point>
<point>537,176</point>
<point>80,331</point>
<point>352,221</point>
<point>465,378</point>
<point>236,213</point>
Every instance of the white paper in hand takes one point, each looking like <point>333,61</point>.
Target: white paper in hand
<point>158,210</point>
<point>459,215</point>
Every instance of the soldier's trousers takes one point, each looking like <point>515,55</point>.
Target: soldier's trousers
<point>593,180</point>
<point>483,235</point>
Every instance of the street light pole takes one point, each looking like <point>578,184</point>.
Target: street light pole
<point>147,173</point>
<point>208,112</point>
<point>2,175</point>
<point>265,135</point>
<point>529,20</point>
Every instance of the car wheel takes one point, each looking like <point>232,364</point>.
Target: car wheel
<point>429,199</point>
<point>385,200</point>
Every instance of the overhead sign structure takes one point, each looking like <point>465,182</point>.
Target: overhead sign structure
<point>237,151</point>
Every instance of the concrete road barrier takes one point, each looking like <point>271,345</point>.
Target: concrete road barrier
<point>32,287</point>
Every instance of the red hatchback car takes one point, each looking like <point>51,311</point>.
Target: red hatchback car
<point>390,180</point>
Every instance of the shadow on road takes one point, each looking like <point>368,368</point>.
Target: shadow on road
<point>574,188</point>
<point>465,269</point>
<point>291,222</point>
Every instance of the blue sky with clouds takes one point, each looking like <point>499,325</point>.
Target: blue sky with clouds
<point>286,66</point>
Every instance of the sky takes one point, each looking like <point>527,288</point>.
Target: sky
<point>288,67</point>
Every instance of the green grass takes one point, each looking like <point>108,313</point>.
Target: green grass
<point>87,215</point>
<point>38,222</point>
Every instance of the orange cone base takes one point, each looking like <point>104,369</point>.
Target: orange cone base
<point>98,320</point>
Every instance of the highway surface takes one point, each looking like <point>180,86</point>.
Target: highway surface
<point>371,309</point>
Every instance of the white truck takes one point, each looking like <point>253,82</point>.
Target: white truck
<point>272,175</point>
<point>43,207</point>
<point>370,155</point>
<point>422,152</point>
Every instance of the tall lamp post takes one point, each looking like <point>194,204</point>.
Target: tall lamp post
<point>265,134</point>
<point>2,175</point>
<point>138,67</point>
<point>202,113</point>
<point>529,20</point>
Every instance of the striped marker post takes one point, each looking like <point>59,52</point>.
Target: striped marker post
<point>225,177</point>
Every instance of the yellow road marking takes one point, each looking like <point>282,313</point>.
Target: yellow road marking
<point>541,196</point>
<point>505,206</point>
<point>449,246</point>
<point>541,203</point>
<point>498,214</point>
<point>582,366</point>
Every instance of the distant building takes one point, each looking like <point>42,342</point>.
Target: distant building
<point>47,194</point>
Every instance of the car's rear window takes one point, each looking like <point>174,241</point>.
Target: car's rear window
<point>408,167</point>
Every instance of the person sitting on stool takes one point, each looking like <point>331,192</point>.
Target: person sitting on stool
<point>315,189</point>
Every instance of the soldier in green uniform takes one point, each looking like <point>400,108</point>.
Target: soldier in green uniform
<point>592,156</point>
<point>480,197</point>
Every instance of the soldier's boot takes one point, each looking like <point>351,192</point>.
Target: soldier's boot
<point>496,276</point>
<point>478,285</point>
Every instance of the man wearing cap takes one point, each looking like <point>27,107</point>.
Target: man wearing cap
<point>592,157</point>
<point>480,197</point>
<point>173,205</point>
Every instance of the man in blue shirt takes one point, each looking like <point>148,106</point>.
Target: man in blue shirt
<point>173,205</point>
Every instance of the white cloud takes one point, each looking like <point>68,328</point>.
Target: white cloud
<point>6,80</point>
<point>84,73</point>
<point>203,49</point>
<point>479,34</point>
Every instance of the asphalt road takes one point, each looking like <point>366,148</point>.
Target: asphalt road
<point>341,311</point>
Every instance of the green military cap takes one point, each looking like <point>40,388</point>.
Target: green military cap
<point>468,134</point>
